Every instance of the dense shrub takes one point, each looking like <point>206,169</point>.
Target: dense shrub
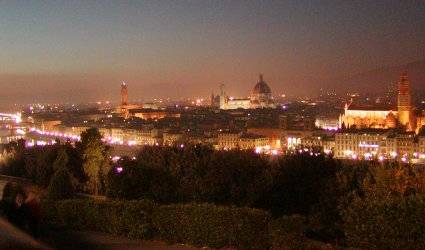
<point>129,218</point>
<point>60,185</point>
<point>283,185</point>
<point>192,174</point>
<point>40,163</point>
<point>390,212</point>
<point>213,226</point>
<point>137,181</point>
<point>300,182</point>
<point>289,232</point>
<point>386,223</point>
<point>14,166</point>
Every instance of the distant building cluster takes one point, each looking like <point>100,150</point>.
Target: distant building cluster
<point>261,97</point>
<point>11,128</point>
<point>377,130</point>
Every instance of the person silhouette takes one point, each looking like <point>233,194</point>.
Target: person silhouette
<point>19,215</point>
<point>33,214</point>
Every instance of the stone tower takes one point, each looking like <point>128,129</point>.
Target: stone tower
<point>223,97</point>
<point>404,105</point>
<point>124,94</point>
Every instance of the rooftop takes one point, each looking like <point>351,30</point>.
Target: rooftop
<point>251,136</point>
<point>371,107</point>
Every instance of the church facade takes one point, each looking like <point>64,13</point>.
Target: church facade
<point>384,117</point>
<point>261,97</point>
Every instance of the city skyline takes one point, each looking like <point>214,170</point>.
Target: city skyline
<point>194,124</point>
<point>78,51</point>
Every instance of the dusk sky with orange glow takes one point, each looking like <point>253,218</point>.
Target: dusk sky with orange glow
<point>76,51</point>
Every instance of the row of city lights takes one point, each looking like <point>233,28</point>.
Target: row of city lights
<point>259,150</point>
<point>392,155</point>
<point>109,140</point>
<point>116,141</point>
<point>56,134</point>
<point>17,117</point>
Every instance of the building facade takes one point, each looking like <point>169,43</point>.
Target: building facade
<point>379,145</point>
<point>228,140</point>
<point>384,117</point>
<point>253,141</point>
<point>367,117</point>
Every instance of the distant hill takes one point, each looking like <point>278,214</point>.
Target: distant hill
<point>382,79</point>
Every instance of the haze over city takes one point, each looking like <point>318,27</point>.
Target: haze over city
<point>212,124</point>
<point>76,51</point>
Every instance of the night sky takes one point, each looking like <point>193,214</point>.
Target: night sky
<point>73,51</point>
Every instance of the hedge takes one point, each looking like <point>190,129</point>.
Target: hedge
<point>129,218</point>
<point>196,224</point>
<point>213,226</point>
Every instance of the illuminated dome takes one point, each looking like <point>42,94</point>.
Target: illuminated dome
<point>261,87</point>
<point>262,95</point>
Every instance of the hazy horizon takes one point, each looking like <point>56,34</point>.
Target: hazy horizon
<point>76,51</point>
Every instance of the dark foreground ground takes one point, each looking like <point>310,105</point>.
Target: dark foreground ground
<point>65,239</point>
<point>12,238</point>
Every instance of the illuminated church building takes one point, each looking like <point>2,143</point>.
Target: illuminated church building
<point>261,97</point>
<point>382,117</point>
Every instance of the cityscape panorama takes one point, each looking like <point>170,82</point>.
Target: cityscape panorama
<point>212,124</point>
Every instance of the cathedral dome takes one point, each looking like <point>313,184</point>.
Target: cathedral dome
<point>261,87</point>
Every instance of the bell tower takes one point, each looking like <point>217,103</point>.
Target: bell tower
<point>223,97</point>
<point>124,94</point>
<point>404,106</point>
